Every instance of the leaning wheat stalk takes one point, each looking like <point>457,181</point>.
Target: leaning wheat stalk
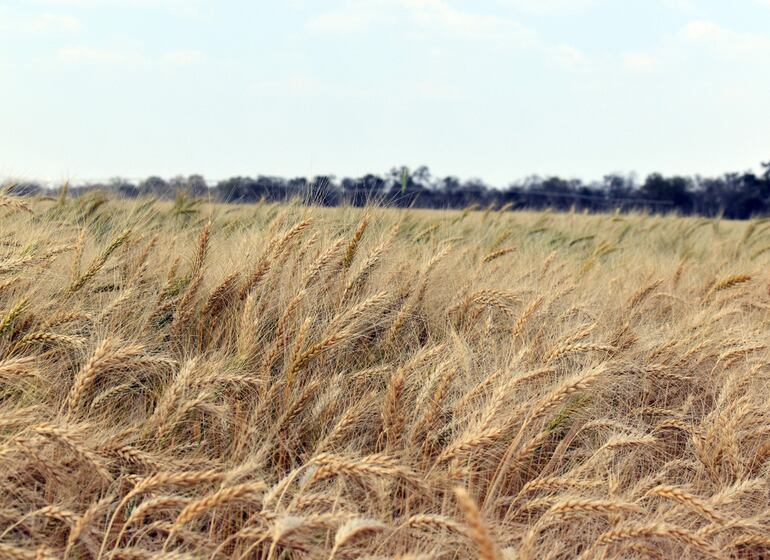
<point>477,528</point>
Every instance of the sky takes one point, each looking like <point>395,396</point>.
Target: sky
<point>490,89</point>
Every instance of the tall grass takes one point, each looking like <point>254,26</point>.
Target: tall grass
<point>279,381</point>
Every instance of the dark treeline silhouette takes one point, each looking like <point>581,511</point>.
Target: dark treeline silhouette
<point>733,195</point>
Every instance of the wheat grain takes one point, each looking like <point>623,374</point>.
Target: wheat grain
<point>477,529</point>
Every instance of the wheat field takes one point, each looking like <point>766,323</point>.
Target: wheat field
<point>194,380</point>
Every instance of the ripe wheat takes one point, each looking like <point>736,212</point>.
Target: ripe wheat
<point>291,381</point>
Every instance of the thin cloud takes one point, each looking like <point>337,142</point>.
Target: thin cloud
<point>46,23</point>
<point>439,14</point>
<point>435,15</point>
<point>725,42</point>
<point>308,85</point>
<point>109,3</point>
<point>182,8</point>
<point>550,7</point>
<point>54,23</point>
<point>699,38</point>
<point>639,61</point>
<point>680,5</point>
<point>567,55</point>
<point>440,19</point>
<point>184,57</point>
<point>422,17</point>
<point>350,21</point>
<point>85,54</point>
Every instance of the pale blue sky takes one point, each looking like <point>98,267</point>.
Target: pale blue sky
<point>497,89</point>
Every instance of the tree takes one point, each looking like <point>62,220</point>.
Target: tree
<point>156,186</point>
<point>675,191</point>
<point>197,185</point>
<point>734,195</point>
<point>124,187</point>
<point>617,186</point>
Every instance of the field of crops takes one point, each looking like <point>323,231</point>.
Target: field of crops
<point>189,380</point>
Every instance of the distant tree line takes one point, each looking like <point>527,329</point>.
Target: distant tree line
<point>733,195</point>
